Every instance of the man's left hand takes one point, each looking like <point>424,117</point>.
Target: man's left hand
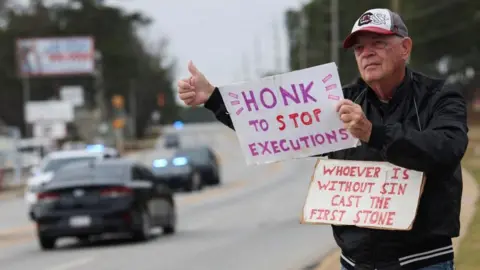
<point>354,119</point>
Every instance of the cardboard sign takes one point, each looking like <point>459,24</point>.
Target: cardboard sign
<point>288,116</point>
<point>365,194</point>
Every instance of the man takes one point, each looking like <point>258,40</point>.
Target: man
<point>402,117</point>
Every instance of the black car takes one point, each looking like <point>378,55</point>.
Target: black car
<point>178,173</point>
<point>103,196</point>
<point>203,160</point>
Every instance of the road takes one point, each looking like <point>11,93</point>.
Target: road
<point>249,222</point>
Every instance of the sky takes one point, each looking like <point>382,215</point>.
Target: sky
<point>228,41</point>
<point>220,37</point>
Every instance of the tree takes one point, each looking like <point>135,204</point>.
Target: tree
<point>125,59</point>
<point>438,29</point>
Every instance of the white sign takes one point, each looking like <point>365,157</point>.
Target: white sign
<point>366,194</point>
<point>288,116</point>
<point>49,110</point>
<point>51,130</point>
<point>55,56</point>
<point>72,94</point>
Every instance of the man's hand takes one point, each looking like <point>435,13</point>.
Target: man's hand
<point>354,120</point>
<point>196,89</point>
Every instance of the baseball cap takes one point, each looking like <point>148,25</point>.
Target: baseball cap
<point>379,20</point>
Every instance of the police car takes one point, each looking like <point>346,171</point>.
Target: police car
<point>56,160</point>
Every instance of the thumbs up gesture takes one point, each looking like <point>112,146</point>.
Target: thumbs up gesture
<point>196,89</point>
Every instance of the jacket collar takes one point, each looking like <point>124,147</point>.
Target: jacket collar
<point>399,93</point>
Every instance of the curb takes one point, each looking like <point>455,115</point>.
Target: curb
<point>470,197</point>
<point>11,193</point>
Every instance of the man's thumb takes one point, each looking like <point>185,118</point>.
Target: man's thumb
<point>192,68</point>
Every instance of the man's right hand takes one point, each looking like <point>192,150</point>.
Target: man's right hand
<point>196,89</point>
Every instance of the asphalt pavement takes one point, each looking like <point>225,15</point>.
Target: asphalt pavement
<point>249,222</point>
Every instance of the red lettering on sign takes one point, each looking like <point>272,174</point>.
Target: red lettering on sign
<point>370,217</point>
<point>394,188</point>
<point>345,186</point>
<point>353,171</point>
<point>327,215</point>
<point>380,202</point>
<point>346,201</point>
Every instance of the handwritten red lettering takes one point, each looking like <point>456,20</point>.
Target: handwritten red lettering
<point>393,188</point>
<point>380,202</point>
<point>370,217</point>
<point>345,186</point>
<point>352,171</point>
<point>405,174</point>
<point>305,118</point>
<point>327,214</point>
<point>346,201</point>
<point>281,122</point>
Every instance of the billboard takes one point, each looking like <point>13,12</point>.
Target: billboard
<point>38,57</point>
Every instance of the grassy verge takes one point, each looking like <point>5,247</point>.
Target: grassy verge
<point>468,257</point>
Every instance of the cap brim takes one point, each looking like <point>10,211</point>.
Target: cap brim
<point>350,40</point>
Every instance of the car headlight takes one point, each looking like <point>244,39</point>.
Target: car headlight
<point>180,161</point>
<point>160,163</point>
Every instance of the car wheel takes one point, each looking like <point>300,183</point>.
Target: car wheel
<point>46,243</point>
<point>216,179</point>
<point>84,239</point>
<point>142,233</point>
<point>195,182</point>
<point>172,221</point>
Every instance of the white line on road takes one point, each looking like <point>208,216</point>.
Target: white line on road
<point>72,264</point>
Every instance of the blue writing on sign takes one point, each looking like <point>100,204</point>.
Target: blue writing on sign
<point>65,46</point>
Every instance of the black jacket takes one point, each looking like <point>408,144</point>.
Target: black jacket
<point>423,128</point>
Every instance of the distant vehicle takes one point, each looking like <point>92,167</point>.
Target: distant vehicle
<point>103,196</point>
<point>178,173</point>
<point>203,160</point>
<point>56,160</point>
<point>171,141</point>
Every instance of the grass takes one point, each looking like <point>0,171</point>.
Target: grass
<point>468,257</point>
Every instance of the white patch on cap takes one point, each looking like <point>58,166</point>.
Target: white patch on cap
<point>378,17</point>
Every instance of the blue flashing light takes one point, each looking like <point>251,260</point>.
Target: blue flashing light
<point>160,163</point>
<point>178,124</point>
<point>95,148</point>
<point>180,161</point>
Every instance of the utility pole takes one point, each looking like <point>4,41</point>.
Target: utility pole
<point>395,5</point>
<point>133,108</point>
<point>257,49</point>
<point>245,67</point>
<point>303,48</point>
<point>334,29</point>
<point>276,49</point>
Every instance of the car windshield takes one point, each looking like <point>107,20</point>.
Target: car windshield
<point>54,164</point>
<point>171,138</point>
<point>104,172</point>
<point>192,154</point>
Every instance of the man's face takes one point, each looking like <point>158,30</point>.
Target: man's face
<point>379,56</point>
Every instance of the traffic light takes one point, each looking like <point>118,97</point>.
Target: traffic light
<point>118,102</point>
<point>118,123</point>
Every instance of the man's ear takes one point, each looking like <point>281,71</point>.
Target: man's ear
<point>407,45</point>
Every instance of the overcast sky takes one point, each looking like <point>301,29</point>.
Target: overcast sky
<point>219,36</point>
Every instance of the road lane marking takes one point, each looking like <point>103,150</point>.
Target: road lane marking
<point>6,233</point>
<point>72,264</point>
